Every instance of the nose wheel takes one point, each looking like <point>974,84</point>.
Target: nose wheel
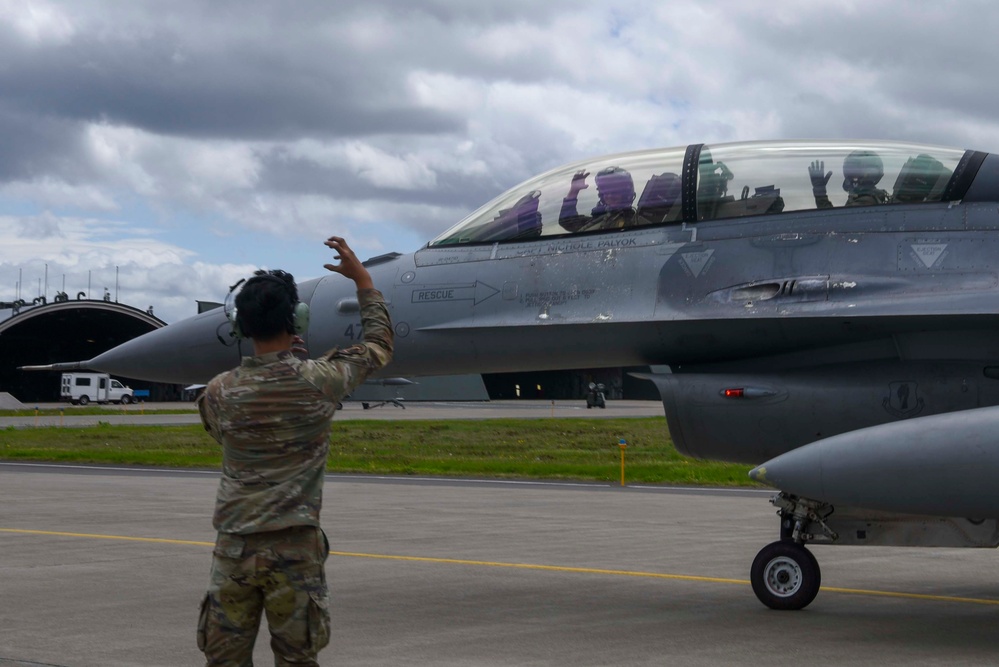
<point>785,575</point>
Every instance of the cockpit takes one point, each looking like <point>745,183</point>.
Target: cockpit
<point>700,183</point>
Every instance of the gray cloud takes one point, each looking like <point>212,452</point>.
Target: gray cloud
<point>298,176</point>
<point>242,92</point>
<point>35,144</point>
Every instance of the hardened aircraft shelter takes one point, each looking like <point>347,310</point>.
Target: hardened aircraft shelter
<point>66,330</point>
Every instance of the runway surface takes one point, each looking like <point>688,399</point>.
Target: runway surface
<point>146,413</point>
<point>105,567</point>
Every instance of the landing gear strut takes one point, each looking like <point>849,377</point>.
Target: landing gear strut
<point>785,575</point>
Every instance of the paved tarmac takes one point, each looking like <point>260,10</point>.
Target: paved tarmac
<point>147,413</point>
<point>104,567</point>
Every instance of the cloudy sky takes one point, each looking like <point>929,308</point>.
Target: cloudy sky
<point>176,145</point>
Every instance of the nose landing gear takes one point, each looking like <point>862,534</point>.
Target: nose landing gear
<point>785,575</point>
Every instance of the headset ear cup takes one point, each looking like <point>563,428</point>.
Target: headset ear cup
<point>237,331</point>
<point>300,318</point>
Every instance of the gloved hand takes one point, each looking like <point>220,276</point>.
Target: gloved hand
<point>578,183</point>
<point>818,180</point>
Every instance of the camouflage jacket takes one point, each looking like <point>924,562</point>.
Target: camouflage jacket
<point>272,416</point>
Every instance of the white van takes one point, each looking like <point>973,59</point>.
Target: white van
<point>82,388</point>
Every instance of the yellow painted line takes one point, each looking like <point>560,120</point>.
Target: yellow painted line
<point>528,566</point>
<point>547,568</point>
<point>123,538</point>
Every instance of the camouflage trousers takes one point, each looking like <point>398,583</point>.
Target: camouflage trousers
<point>281,573</point>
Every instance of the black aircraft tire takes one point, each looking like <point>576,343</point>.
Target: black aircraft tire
<point>785,575</point>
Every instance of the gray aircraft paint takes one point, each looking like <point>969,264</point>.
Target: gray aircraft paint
<point>928,466</point>
<point>821,322</point>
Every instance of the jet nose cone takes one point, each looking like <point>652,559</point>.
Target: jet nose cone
<point>191,351</point>
<point>799,471</point>
<point>759,474</point>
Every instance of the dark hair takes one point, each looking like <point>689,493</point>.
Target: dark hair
<point>265,306</point>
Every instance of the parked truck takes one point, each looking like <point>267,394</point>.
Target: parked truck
<point>82,388</point>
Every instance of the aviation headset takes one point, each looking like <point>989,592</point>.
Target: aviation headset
<point>298,319</point>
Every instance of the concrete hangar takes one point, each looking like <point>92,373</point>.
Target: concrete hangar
<point>67,330</point>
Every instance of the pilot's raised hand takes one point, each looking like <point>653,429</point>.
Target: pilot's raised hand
<point>578,183</point>
<point>818,180</point>
<point>350,266</point>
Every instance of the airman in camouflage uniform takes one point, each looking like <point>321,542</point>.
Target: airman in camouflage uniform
<point>272,416</point>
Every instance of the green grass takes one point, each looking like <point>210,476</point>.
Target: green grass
<point>563,449</point>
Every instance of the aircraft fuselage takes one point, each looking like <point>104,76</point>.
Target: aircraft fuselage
<point>820,327</point>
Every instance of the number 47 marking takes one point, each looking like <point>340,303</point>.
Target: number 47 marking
<point>353,332</point>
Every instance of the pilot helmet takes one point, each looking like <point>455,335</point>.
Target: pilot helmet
<point>862,169</point>
<point>615,181</point>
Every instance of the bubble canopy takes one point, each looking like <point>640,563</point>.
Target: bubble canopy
<point>699,183</point>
